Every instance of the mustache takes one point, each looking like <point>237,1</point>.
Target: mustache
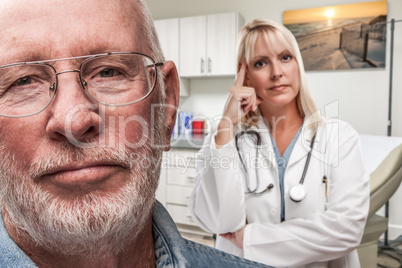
<point>68,154</point>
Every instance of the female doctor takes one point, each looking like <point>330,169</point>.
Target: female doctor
<point>279,183</point>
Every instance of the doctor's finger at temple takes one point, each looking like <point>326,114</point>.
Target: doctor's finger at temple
<point>241,98</point>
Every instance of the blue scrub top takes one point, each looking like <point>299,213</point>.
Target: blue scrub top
<point>282,162</point>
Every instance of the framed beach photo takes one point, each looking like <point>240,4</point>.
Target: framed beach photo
<point>350,36</point>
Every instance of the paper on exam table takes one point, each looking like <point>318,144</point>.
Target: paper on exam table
<point>376,148</point>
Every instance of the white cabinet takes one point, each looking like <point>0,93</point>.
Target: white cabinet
<point>208,44</point>
<point>193,35</point>
<point>168,33</point>
<point>176,184</point>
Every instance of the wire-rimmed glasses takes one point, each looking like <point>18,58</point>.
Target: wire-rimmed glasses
<point>111,79</point>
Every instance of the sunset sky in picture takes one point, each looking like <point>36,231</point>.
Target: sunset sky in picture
<point>366,9</point>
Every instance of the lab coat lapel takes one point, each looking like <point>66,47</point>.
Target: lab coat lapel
<point>303,143</point>
<point>267,149</point>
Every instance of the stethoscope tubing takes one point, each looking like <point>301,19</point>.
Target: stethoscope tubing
<point>307,161</point>
<point>258,143</point>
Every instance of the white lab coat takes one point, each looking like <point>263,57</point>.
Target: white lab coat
<point>319,231</point>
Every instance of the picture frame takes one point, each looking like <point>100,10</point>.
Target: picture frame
<point>350,36</point>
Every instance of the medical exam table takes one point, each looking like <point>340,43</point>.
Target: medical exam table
<point>383,158</point>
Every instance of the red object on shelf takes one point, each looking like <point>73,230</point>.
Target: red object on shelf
<point>198,127</point>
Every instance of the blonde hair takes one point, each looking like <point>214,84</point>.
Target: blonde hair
<point>246,40</point>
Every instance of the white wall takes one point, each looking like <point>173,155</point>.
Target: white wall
<point>362,95</point>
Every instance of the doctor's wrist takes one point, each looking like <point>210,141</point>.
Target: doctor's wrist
<point>224,133</point>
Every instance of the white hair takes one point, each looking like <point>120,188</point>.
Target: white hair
<point>152,40</point>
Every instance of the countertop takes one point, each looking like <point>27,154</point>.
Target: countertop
<point>188,141</point>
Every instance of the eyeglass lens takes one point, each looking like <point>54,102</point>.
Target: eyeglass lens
<point>116,79</point>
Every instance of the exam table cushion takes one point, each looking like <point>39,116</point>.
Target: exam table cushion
<point>383,158</point>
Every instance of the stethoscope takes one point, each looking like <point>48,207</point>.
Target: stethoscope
<point>296,193</point>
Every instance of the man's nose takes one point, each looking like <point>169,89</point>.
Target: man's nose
<point>73,114</point>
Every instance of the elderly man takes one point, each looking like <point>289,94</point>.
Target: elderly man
<point>80,102</point>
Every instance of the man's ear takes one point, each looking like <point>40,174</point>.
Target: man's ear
<point>172,91</point>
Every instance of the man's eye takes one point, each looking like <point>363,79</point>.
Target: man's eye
<point>23,81</point>
<point>108,73</point>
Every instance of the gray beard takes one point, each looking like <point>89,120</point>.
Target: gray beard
<point>86,225</point>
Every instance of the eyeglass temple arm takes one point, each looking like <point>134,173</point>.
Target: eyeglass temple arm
<point>156,64</point>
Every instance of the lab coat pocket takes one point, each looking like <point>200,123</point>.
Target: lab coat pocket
<point>301,209</point>
<point>315,201</point>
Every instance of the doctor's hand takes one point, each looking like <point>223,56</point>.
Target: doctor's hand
<point>240,101</point>
<point>236,238</point>
<point>241,98</point>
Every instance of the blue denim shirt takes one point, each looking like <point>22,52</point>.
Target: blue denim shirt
<point>171,250</point>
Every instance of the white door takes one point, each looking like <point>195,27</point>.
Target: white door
<point>193,60</point>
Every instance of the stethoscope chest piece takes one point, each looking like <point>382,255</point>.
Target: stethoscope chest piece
<point>297,193</point>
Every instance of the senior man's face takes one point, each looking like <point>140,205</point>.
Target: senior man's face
<point>72,174</point>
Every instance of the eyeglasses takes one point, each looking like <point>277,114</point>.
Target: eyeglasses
<point>111,79</point>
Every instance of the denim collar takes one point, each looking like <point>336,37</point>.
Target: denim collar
<point>169,246</point>
<point>10,254</point>
<point>171,250</point>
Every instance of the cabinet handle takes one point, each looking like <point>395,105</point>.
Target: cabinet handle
<point>209,64</point>
<point>189,218</point>
<point>202,65</point>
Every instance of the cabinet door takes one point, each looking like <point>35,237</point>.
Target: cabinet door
<point>221,43</point>
<point>180,214</point>
<point>193,46</point>
<point>168,33</point>
<point>181,176</point>
<point>178,195</point>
